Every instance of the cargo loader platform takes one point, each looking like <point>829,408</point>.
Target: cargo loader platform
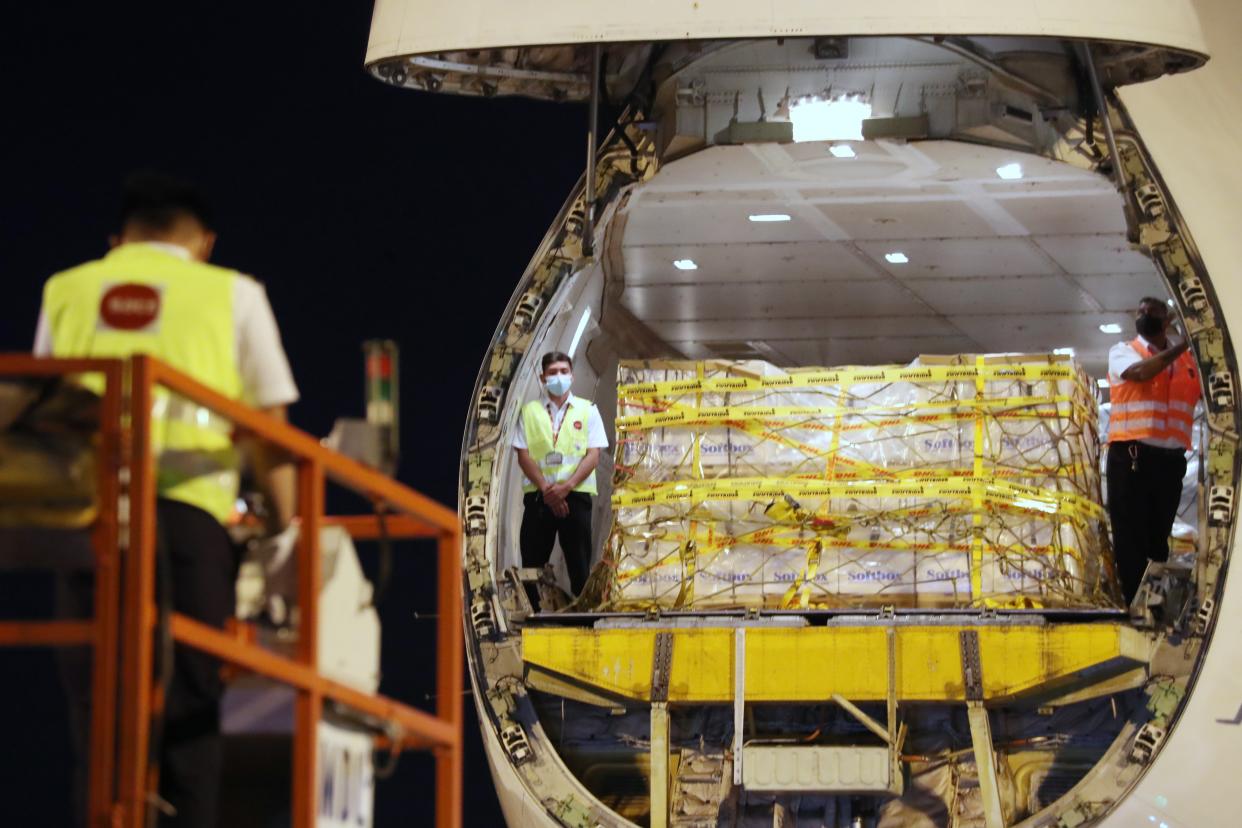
<point>1029,661</point>
<point>690,661</point>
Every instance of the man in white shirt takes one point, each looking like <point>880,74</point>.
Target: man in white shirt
<point>155,293</point>
<point>558,443</point>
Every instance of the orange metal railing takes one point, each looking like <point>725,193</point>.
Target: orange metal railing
<point>121,633</point>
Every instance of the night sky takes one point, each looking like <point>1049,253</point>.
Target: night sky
<point>366,210</point>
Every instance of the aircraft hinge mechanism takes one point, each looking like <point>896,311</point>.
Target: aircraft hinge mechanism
<point>482,618</point>
<point>516,745</point>
<point>1146,743</point>
<point>476,515</point>
<point>488,404</point>
<point>1220,505</point>
<point>1220,389</point>
<point>1203,616</point>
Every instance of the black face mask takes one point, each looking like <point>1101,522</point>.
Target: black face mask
<point>1149,326</point>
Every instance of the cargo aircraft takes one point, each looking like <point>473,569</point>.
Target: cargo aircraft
<point>816,184</point>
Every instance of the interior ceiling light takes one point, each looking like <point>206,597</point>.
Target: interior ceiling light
<point>1010,172</point>
<point>582,324</point>
<point>761,217</point>
<point>685,264</point>
<point>842,150</point>
<point>896,257</point>
<point>1063,351</point>
<point>818,119</point>
<point>1110,328</point>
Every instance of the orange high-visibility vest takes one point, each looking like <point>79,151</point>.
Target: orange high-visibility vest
<point>1163,408</point>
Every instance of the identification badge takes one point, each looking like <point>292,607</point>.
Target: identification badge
<point>553,458</point>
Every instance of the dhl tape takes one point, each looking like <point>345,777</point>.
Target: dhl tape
<point>687,416</point>
<point>859,376</point>
<point>985,489</point>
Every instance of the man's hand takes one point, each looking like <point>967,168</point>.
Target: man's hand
<point>554,498</point>
<point>275,475</point>
<point>1145,369</point>
<point>556,493</point>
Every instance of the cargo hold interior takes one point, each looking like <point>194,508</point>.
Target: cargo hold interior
<point>901,250</point>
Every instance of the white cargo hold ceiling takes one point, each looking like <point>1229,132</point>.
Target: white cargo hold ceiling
<point>1117,290</point>
<point>1042,216</point>
<point>745,262</point>
<point>978,256</point>
<point>1096,253</point>
<point>873,297</point>
<point>1028,264</point>
<point>802,327</point>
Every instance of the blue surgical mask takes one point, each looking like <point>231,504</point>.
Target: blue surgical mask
<point>558,384</point>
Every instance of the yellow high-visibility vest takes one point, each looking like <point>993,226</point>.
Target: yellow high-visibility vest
<point>570,442</point>
<point>141,299</point>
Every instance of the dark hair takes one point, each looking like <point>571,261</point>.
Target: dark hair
<point>551,357</point>
<point>156,201</point>
<point>1151,300</point>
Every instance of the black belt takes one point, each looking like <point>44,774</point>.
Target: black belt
<point>1148,446</point>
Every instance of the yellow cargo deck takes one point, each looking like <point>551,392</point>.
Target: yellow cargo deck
<point>812,664</point>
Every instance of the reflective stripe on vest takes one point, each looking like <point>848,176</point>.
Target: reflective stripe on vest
<point>140,299</point>
<point>1163,408</point>
<point>570,442</point>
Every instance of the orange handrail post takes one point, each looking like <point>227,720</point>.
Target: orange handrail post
<point>309,704</point>
<point>101,632</point>
<point>449,669</point>
<point>113,474</point>
<point>138,561</point>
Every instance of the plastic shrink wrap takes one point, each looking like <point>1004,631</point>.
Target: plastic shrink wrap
<point>960,481</point>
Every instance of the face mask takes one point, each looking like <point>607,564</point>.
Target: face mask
<point>1148,326</point>
<point>558,384</point>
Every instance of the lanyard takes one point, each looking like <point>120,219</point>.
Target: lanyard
<point>556,427</point>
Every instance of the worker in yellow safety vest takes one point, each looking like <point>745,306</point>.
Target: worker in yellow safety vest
<point>154,293</point>
<point>558,443</point>
<point>1153,389</point>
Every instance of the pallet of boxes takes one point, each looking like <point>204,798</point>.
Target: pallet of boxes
<point>964,481</point>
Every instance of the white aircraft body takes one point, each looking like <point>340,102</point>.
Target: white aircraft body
<point>983,206</point>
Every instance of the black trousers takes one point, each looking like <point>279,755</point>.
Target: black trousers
<point>198,563</point>
<point>1143,494</point>
<point>541,529</point>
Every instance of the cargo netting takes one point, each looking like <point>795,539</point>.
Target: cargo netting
<point>964,481</point>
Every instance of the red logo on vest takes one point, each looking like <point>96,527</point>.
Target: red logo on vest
<point>129,307</point>
<point>578,424</point>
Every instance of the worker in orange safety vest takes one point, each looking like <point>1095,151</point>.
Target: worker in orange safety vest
<point>1153,387</point>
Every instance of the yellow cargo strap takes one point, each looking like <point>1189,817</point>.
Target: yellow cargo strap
<point>922,374</point>
<point>991,491</point>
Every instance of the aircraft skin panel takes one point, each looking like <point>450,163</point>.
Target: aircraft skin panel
<point>516,802</point>
<point>413,27</point>
<point>1190,125</point>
